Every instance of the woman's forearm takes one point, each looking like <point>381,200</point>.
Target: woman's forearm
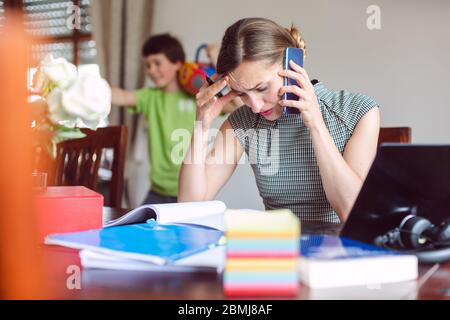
<point>340,181</point>
<point>193,181</point>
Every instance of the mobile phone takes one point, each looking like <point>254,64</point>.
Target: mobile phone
<point>296,55</point>
<point>211,82</point>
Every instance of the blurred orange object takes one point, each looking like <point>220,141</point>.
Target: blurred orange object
<point>21,271</point>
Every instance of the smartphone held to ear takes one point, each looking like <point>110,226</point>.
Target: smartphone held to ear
<point>222,92</point>
<point>296,55</point>
<point>211,82</point>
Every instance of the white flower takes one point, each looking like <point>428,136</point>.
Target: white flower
<point>39,81</point>
<point>58,70</point>
<point>75,99</point>
<point>85,103</point>
<point>56,110</point>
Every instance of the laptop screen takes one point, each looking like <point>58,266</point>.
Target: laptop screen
<point>403,180</point>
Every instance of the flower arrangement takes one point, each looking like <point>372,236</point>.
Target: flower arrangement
<point>70,100</point>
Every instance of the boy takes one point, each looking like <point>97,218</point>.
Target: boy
<point>166,108</point>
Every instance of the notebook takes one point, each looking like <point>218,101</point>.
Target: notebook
<point>163,243</point>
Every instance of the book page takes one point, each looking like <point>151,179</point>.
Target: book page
<point>208,260</point>
<point>189,212</point>
<point>137,215</point>
<point>207,213</point>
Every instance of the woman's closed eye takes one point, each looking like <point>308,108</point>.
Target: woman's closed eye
<point>240,94</point>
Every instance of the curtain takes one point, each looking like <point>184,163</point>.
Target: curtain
<point>120,27</point>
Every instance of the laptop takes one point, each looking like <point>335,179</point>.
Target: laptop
<point>404,179</point>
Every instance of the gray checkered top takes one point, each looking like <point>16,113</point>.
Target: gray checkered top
<point>283,160</point>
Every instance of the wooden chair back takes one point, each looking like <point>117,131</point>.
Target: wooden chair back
<point>395,134</point>
<point>78,161</point>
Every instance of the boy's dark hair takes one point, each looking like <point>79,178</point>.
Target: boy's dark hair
<point>166,44</point>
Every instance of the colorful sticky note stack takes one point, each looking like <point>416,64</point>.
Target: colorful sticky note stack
<point>262,253</point>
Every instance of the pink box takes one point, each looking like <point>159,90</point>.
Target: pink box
<point>68,209</point>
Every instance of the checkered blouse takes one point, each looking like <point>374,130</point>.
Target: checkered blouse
<point>283,160</point>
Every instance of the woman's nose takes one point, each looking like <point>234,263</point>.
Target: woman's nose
<point>256,103</point>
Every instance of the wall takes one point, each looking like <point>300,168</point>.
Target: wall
<point>405,66</point>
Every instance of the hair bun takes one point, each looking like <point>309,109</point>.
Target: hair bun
<point>298,38</point>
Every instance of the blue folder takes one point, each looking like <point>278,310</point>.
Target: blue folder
<point>160,244</point>
<point>323,247</point>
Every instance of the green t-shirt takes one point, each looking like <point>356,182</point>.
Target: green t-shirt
<point>171,118</point>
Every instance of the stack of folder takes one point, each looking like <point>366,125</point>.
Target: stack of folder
<point>262,253</point>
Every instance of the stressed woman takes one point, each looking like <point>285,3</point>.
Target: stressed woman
<point>314,162</point>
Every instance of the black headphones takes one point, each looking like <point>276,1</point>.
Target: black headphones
<point>417,235</point>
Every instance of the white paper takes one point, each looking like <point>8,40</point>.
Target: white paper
<point>194,212</point>
<point>209,260</point>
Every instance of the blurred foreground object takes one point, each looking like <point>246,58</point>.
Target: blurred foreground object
<point>20,265</point>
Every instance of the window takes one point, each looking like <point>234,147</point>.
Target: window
<point>57,26</point>
<point>2,13</point>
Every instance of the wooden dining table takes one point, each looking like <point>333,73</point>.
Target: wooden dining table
<point>68,280</point>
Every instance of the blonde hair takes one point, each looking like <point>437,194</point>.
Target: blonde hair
<point>298,38</point>
<point>255,39</point>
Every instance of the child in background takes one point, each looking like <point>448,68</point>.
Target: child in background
<point>166,108</point>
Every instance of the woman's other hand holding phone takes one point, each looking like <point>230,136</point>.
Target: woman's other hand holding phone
<point>307,103</point>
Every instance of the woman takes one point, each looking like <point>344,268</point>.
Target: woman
<point>318,159</point>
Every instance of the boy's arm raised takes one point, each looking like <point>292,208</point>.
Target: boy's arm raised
<point>122,98</point>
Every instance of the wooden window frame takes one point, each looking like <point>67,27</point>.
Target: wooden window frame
<point>75,38</point>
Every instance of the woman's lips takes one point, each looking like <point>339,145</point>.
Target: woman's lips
<point>266,113</point>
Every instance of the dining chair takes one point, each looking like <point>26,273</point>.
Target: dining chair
<point>395,134</point>
<point>78,161</point>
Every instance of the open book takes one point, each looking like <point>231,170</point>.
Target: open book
<point>181,230</point>
<point>207,213</point>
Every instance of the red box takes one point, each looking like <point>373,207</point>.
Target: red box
<point>68,209</point>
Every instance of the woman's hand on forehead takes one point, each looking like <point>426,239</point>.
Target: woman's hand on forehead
<point>232,82</point>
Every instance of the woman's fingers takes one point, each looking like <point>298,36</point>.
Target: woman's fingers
<point>299,92</point>
<point>207,93</point>
<point>228,97</point>
<point>217,102</point>
<point>216,87</point>
<point>301,105</point>
<point>301,71</point>
<point>298,68</point>
<point>297,73</point>
<point>298,77</point>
